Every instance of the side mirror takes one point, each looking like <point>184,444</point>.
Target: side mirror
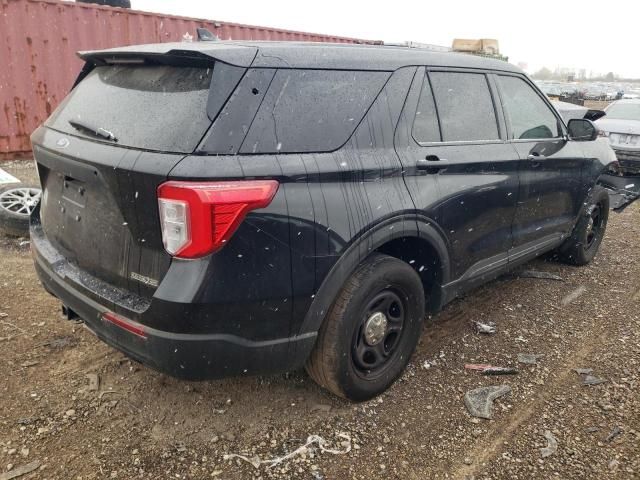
<point>582,130</point>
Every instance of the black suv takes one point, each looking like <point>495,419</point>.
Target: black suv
<point>229,208</point>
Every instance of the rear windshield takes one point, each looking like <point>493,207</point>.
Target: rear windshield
<point>624,111</point>
<point>152,107</point>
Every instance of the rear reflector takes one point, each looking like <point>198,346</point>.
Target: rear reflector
<point>124,323</point>
<point>198,218</point>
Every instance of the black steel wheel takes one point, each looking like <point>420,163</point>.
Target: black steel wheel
<point>371,330</point>
<point>376,339</point>
<point>583,244</point>
<point>595,223</point>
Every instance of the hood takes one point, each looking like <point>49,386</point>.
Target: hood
<point>569,111</point>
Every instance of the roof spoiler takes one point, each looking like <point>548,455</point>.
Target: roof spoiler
<point>201,53</point>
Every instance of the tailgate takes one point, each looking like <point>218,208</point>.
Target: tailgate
<point>99,208</point>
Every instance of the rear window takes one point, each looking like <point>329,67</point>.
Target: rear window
<point>465,106</point>
<point>312,110</point>
<point>152,107</point>
<point>624,111</point>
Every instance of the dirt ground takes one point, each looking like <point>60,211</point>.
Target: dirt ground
<point>137,423</point>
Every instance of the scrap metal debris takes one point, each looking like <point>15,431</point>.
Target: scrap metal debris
<point>6,177</point>
<point>311,439</point>
<point>486,369</point>
<point>539,275</point>
<point>614,433</point>
<point>94,382</point>
<point>621,192</point>
<point>9,324</point>
<point>488,328</point>
<point>59,343</point>
<point>21,470</point>
<point>552,445</point>
<point>588,378</point>
<point>592,380</point>
<point>529,358</point>
<point>573,296</point>
<point>479,402</point>
<point>29,363</point>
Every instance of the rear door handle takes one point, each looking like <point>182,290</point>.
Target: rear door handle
<point>431,164</point>
<point>536,156</point>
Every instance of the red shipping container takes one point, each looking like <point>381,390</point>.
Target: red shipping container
<point>39,40</point>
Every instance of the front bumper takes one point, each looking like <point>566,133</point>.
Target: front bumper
<point>193,356</point>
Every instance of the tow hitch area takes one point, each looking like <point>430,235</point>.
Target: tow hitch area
<point>623,191</point>
<point>69,314</point>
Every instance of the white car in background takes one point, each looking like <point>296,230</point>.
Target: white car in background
<point>621,126</point>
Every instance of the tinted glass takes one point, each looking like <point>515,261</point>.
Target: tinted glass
<point>160,107</point>
<point>464,106</point>
<point>527,113</point>
<point>311,110</point>
<point>425,124</point>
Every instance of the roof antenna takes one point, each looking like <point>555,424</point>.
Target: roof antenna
<point>205,35</point>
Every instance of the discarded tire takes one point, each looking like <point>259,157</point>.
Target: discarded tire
<point>17,201</point>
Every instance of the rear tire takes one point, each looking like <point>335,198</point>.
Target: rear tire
<point>583,244</point>
<point>371,330</point>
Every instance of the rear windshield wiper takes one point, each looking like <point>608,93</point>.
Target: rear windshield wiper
<point>97,131</point>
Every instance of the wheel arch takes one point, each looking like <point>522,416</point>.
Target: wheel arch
<point>388,237</point>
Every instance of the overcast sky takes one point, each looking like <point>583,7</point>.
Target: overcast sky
<point>599,36</point>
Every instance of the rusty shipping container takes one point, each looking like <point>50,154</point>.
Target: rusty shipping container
<point>39,40</point>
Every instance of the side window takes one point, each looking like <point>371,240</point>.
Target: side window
<point>527,113</point>
<point>465,106</point>
<point>425,123</point>
<point>311,110</point>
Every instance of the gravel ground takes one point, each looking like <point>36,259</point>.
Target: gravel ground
<point>73,408</point>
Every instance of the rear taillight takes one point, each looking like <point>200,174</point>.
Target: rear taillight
<point>124,323</point>
<point>198,218</point>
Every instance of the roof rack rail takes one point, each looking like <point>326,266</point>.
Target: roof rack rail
<point>422,46</point>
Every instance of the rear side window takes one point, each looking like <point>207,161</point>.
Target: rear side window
<point>465,106</point>
<point>153,107</point>
<point>425,124</point>
<point>311,110</point>
<point>528,115</point>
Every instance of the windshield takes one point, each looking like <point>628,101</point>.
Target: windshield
<point>624,111</point>
<point>152,107</point>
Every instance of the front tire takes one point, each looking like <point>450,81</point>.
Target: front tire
<point>583,244</point>
<point>371,330</point>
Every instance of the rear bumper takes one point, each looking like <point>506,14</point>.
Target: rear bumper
<point>183,355</point>
<point>629,160</point>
